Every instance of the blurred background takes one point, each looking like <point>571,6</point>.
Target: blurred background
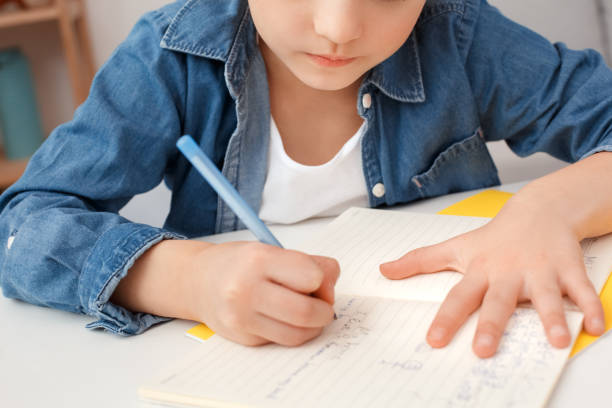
<point>44,43</point>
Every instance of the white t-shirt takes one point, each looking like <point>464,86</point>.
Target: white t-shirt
<point>294,192</point>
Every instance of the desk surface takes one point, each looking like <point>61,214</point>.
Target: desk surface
<point>48,358</point>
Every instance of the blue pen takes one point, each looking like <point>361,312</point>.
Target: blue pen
<point>226,191</point>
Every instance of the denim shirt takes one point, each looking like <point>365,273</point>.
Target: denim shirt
<point>465,76</point>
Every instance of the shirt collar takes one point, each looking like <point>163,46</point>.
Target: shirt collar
<point>206,28</point>
<point>224,31</point>
<point>400,76</point>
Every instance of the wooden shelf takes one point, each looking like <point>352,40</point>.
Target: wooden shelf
<point>70,18</point>
<point>10,171</point>
<point>17,18</point>
<point>36,15</point>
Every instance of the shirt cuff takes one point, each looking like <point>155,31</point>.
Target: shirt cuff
<point>598,149</point>
<point>113,255</point>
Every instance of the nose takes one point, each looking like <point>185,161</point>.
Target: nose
<point>338,20</point>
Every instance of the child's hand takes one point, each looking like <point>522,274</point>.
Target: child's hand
<point>254,294</point>
<point>525,253</point>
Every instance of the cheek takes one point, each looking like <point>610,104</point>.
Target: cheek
<point>388,38</point>
<point>396,29</point>
<point>280,23</point>
<point>282,37</point>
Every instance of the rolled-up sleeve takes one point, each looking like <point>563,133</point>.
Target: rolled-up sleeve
<point>63,243</point>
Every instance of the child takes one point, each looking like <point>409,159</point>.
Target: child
<point>310,106</point>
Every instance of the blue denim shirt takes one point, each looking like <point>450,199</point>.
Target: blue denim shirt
<point>465,76</point>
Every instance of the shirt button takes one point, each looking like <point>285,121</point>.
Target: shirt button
<point>378,190</point>
<point>10,241</point>
<point>366,101</point>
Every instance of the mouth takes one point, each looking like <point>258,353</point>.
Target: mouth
<point>330,60</point>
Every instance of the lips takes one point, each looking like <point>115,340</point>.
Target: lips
<point>330,60</point>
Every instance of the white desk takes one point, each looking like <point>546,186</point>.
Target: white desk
<point>48,358</point>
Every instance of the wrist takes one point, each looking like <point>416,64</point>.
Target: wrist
<point>546,198</point>
<point>189,278</point>
<point>579,194</point>
<point>158,282</point>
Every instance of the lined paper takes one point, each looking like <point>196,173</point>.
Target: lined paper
<point>373,355</point>
<point>361,239</point>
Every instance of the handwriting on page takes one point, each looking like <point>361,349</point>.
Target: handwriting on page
<point>597,259</point>
<point>375,355</point>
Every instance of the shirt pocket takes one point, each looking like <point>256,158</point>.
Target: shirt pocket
<point>464,165</point>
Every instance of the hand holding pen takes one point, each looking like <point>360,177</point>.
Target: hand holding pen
<point>254,293</point>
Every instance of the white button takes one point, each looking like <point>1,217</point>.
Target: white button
<point>366,101</point>
<point>9,243</point>
<point>378,190</point>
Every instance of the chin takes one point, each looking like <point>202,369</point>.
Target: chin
<point>327,82</point>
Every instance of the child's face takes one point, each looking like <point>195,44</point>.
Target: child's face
<point>330,44</point>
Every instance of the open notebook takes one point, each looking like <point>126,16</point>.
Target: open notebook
<point>375,354</point>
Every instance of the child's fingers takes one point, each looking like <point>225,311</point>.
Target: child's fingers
<point>546,297</point>
<point>294,308</point>
<point>295,270</point>
<point>497,306</point>
<point>279,332</point>
<point>434,258</point>
<point>462,300</point>
<point>331,272</point>
<point>580,289</point>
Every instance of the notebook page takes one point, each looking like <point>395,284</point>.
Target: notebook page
<point>373,355</point>
<point>598,259</point>
<point>361,239</point>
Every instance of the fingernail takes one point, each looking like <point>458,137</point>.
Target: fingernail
<point>558,331</point>
<point>437,334</point>
<point>484,340</point>
<point>597,325</point>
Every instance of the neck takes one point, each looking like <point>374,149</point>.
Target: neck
<point>313,124</point>
<point>289,92</point>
